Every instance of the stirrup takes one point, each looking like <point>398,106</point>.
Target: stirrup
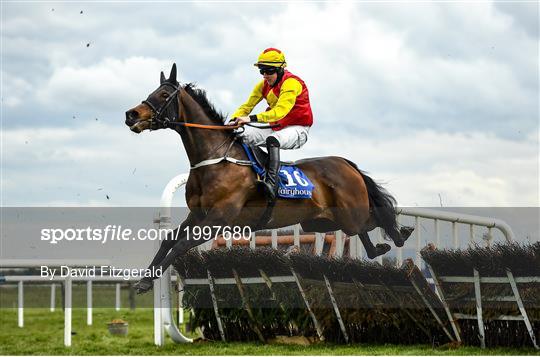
<point>270,192</point>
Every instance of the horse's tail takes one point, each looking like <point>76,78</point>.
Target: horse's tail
<point>382,205</point>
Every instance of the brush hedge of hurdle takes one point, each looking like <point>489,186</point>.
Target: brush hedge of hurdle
<point>492,295</point>
<point>242,294</point>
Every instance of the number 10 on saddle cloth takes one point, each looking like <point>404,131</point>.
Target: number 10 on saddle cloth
<point>293,183</point>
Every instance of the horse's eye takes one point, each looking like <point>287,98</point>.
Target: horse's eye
<point>165,95</point>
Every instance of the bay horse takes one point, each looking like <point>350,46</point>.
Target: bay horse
<point>223,192</point>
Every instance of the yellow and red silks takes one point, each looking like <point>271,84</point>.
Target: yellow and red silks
<point>288,102</point>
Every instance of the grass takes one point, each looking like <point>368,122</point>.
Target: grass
<point>43,335</point>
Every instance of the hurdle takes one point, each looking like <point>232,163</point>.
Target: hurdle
<point>163,314</point>
<point>455,219</point>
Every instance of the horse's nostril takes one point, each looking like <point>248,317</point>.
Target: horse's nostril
<point>131,114</point>
<point>131,117</point>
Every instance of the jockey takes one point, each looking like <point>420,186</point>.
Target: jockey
<point>288,111</point>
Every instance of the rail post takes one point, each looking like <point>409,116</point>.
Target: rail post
<point>20,309</point>
<point>163,315</point>
<point>89,302</point>
<point>53,297</point>
<point>117,297</point>
<point>67,311</point>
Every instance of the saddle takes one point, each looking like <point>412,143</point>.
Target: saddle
<point>292,182</point>
<point>259,158</point>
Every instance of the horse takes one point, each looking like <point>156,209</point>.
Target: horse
<point>221,190</point>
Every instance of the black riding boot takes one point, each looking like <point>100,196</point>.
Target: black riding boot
<point>270,181</point>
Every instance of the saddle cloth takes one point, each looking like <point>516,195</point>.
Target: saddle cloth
<point>293,183</point>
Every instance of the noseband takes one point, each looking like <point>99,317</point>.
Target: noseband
<point>159,117</point>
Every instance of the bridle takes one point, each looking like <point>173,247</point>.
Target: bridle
<point>159,119</point>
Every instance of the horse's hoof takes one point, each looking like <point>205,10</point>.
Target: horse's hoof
<point>144,285</point>
<point>382,248</point>
<point>405,232</point>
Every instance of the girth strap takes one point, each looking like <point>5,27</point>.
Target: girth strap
<point>220,159</point>
<point>223,158</point>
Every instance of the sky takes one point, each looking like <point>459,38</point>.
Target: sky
<point>439,101</point>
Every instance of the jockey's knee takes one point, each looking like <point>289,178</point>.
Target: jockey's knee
<point>272,141</point>
<point>254,136</point>
<point>292,137</point>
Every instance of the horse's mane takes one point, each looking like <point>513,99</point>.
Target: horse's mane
<point>199,95</point>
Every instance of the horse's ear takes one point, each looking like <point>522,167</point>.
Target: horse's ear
<point>172,76</point>
<point>162,78</point>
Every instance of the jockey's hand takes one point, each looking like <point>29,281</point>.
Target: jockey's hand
<point>239,121</point>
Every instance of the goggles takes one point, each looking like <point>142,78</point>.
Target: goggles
<point>268,70</point>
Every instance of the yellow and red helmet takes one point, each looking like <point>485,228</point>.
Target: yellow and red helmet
<point>271,57</point>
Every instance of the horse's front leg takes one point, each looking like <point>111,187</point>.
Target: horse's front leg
<point>218,217</point>
<point>168,243</point>
<point>145,284</point>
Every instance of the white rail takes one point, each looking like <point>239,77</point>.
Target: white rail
<point>419,214</point>
<point>32,263</point>
<point>163,314</point>
<point>455,219</point>
<point>68,285</point>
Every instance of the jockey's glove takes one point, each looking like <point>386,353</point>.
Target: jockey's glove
<point>242,120</point>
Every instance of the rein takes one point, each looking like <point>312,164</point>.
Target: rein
<point>219,127</point>
<point>159,117</point>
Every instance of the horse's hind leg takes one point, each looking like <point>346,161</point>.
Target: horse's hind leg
<point>371,250</point>
<point>319,225</point>
<point>399,238</point>
<point>405,232</point>
<point>326,225</point>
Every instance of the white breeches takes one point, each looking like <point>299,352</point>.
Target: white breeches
<point>290,137</point>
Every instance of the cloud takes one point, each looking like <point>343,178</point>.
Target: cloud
<point>453,68</point>
<point>106,84</point>
<point>433,98</point>
<point>476,169</point>
<point>410,74</point>
<point>15,90</point>
<point>524,15</point>
<point>51,166</point>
